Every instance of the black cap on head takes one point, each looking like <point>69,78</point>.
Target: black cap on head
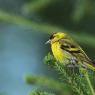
<point>52,36</point>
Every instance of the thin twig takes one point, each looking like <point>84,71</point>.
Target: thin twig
<point>89,83</point>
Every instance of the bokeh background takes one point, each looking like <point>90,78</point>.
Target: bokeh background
<point>25,25</point>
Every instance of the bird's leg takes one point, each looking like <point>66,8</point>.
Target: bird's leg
<point>72,63</point>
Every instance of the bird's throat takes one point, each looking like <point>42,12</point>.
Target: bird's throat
<point>57,51</point>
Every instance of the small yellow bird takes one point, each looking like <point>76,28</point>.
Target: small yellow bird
<point>66,51</point>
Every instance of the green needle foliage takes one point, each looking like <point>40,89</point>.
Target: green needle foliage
<point>77,79</point>
<point>47,83</point>
<point>44,81</point>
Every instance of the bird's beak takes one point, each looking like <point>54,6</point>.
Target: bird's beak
<point>47,42</point>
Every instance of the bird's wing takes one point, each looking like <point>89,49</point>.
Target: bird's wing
<point>70,46</point>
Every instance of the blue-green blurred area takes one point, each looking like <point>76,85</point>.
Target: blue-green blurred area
<point>25,25</point>
<point>21,52</point>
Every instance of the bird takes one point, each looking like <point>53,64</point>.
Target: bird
<point>66,51</point>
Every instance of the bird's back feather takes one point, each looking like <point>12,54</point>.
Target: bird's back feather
<point>74,49</point>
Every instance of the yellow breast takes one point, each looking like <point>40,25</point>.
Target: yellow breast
<point>57,51</point>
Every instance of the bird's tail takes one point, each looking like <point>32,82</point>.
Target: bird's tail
<point>90,66</point>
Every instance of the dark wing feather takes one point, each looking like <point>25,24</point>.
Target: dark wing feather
<point>73,48</point>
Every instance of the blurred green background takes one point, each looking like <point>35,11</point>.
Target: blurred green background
<point>25,25</point>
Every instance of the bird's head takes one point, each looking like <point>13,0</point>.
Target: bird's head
<point>56,37</point>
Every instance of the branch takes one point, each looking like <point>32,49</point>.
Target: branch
<point>74,77</point>
<point>46,82</point>
<point>35,6</point>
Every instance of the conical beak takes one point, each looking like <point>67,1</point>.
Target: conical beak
<point>49,41</point>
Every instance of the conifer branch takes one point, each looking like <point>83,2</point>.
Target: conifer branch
<point>77,80</point>
<point>89,83</point>
<point>46,82</point>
